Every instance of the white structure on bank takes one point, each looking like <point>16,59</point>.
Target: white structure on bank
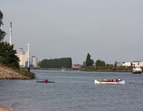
<point>22,58</point>
<point>28,56</point>
<point>119,63</point>
<point>134,63</point>
<point>141,63</point>
<point>126,64</point>
<point>137,63</point>
<point>34,62</point>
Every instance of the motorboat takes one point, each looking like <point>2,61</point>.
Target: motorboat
<point>137,70</point>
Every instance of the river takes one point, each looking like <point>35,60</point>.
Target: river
<point>73,91</point>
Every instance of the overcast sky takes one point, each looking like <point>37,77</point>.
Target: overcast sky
<point>110,30</point>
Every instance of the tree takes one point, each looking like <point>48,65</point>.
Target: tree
<point>1,17</point>
<point>56,63</point>
<point>100,63</point>
<point>89,61</point>
<point>2,33</point>
<point>115,64</point>
<point>8,55</point>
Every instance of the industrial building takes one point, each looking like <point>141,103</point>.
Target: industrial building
<point>23,57</point>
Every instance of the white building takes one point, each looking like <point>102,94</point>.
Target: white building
<point>34,61</point>
<point>137,63</point>
<point>141,63</point>
<point>21,55</point>
<point>126,64</point>
<point>119,63</point>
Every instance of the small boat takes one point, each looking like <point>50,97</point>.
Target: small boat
<point>137,70</point>
<point>98,82</point>
<point>63,70</point>
<point>43,81</point>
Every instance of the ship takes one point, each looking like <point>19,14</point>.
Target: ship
<point>137,70</point>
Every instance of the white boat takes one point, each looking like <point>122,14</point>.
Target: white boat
<point>98,82</point>
<point>137,70</point>
<point>63,70</point>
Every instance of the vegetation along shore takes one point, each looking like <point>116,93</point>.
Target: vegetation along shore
<point>9,62</point>
<point>108,68</point>
<point>10,73</point>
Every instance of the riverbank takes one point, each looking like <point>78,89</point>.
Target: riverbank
<point>58,69</point>
<point>107,68</point>
<point>10,73</point>
<point>5,109</point>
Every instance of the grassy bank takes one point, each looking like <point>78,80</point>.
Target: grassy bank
<point>108,68</point>
<point>54,68</point>
<point>25,73</point>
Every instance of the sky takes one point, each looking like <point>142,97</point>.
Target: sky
<point>109,30</point>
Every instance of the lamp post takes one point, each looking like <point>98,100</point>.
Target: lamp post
<point>28,67</point>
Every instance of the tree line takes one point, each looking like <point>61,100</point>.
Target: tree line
<point>100,65</point>
<point>56,63</point>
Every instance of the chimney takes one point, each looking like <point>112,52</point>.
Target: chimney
<point>10,41</point>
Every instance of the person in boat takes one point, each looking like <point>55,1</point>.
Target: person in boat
<point>104,80</point>
<point>108,80</point>
<point>101,80</point>
<point>117,80</point>
<point>46,80</point>
<point>112,80</point>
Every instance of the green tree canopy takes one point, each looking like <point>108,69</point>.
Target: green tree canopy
<point>100,63</point>
<point>1,17</point>
<point>2,33</point>
<point>8,55</point>
<point>89,61</point>
<point>115,64</point>
<point>56,63</point>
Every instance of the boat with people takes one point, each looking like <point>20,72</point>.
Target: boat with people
<point>103,81</point>
<point>137,70</point>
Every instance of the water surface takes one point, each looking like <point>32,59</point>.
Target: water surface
<point>73,91</point>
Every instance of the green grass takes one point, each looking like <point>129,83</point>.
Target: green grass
<point>25,73</point>
<point>108,68</point>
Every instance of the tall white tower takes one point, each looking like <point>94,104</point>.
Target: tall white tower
<point>28,54</point>
<point>10,41</point>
